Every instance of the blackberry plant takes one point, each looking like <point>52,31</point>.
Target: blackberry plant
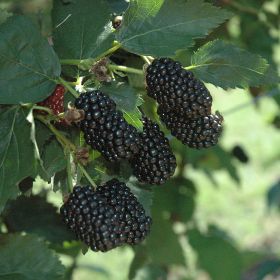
<point>72,64</point>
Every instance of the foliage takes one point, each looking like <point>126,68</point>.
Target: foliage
<point>34,145</point>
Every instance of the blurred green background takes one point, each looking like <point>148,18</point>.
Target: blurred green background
<point>236,209</point>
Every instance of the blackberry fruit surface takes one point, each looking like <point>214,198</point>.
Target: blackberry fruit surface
<point>106,218</point>
<point>176,88</point>
<point>203,132</point>
<point>105,128</point>
<point>155,163</point>
<point>96,105</point>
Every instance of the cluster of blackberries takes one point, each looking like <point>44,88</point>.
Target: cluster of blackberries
<point>184,103</point>
<point>105,128</point>
<point>106,218</point>
<point>155,163</point>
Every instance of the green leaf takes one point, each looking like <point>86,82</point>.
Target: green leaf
<point>139,260</point>
<point>123,94</point>
<point>151,272</point>
<point>27,258</point>
<point>273,196</point>
<point>117,6</point>
<point>216,255</point>
<point>28,64</point>
<point>256,36</point>
<point>53,158</point>
<point>95,169</point>
<point>177,198</point>
<point>17,157</point>
<point>81,28</point>
<point>163,244</point>
<point>215,158</point>
<point>60,182</point>
<point>227,66</point>
<point>160,28</point>
<point>51,152</point>
<point>4,15</point>
<point>276,95</point>
<point>35,215</point>
<point>145,197</point>
<point>127,101</point>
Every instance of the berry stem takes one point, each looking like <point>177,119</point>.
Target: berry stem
<point>60,137</point>
<point>191,67</point>
<point>66,84</point>
<point>36,107</point>
<point>87,175</point>
<point>146,59</point>
<point>69,146</point>
<point>87,63</point>
<point>109,51</point>
<point>125,69</point>
<point>69,171</point>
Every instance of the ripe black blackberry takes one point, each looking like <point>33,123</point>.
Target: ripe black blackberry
<point>106,218</point>
<point>176,88</point>
<point>155,163</point>
<point>96,105</point>
<point>197,133</point>
<point>105,128</point>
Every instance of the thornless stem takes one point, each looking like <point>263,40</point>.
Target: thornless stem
<point>87,63</point>
<point>125,69</point>
<point>87,175</point>
<point>66,84</point>
<point>69,170</point>
<point>69,147</point>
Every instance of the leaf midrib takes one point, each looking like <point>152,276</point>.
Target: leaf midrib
<point>26,67</point>
<point>226,64</point>
<point>169,26</point>
<point>10,134</point>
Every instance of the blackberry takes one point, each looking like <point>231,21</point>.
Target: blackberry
<point>197,133</point>
<point>176,88</point>
<point>106,218</point>
<point>155,163</point>
<point>105,128</point>
<point>95,104</point>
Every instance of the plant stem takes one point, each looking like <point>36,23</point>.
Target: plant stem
<point>191,67</point>
<point>251,11</point>
<point>70,147</point>
<point>86,63</point>
<point>109,51</point>
<point>66,84</point>
<point>87,175</point>
<point>125,69</point>
<point>244,9</point>
<point>41,108</point>
<point>69,171</point>
<point>60,137</point>
<point>145,58</point>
